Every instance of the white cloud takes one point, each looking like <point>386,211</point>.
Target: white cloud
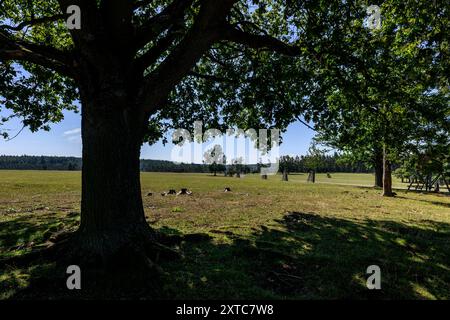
<point>73,132</point>
<point>73,136</point>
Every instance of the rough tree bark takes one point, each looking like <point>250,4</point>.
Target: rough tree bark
<point>112,214</point>
<point>378,165</point>
<point>387,176</point>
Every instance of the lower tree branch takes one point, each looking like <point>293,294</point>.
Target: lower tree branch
<point>48,57</point>
<point>259,41</point>
<point>32,22</point>
<point>152,55</point>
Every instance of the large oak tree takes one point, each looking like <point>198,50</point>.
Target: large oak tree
<point>139,67</point>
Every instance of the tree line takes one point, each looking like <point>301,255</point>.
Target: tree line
<point>293,164</point>
<point>75,164</point>
<point>322,164</point>
<point>40,163</point>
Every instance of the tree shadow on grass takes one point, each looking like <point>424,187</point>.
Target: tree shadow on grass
<point>18,237</point>
<point>300,256</point>
<point>436,203</point>
<point>23,232</point>
<point>307,256</point>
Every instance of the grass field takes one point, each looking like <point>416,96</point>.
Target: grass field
<point>268,239</point>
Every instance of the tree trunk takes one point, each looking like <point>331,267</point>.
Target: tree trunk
<point>112,215</point>
<point>312,176</point>
<point>437,187</point>
<point>387,176</point>
<point>378,164</point>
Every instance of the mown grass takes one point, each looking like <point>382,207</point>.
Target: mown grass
<point>268,239</point>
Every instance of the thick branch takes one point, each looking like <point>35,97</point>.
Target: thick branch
<point>203,34</point>
<point>48,57</point>
<point>32,22</point>
<point>152,55</point>
<point>171,15</point>
<point>89,19</point>
<point>260,42</point>
<point>117,18</point>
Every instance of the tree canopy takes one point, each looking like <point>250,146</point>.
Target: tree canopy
<point>140,67</point>
<point>247,63</point>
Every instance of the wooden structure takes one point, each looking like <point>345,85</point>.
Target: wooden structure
<point>427,183</point>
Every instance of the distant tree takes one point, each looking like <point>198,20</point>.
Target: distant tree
<point>428,154</point>
<point>43,163</point>
<point>392,80</point>
<point>287,164</point>
<point>314,158</point>
<point>237,167</point>
<point>215,158</point>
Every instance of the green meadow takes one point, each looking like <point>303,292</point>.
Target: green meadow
<point>266,239</point>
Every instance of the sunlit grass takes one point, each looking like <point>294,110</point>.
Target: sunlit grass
<point>259,249</point>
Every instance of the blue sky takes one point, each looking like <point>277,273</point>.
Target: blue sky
<point>64,140</point>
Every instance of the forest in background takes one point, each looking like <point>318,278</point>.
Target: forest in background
<point>297,164</point>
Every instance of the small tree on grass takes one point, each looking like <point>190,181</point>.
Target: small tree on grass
<point>313,161</point>
<point>286,166</point>
<point>427,156</point>
<point>237,167</point>
<point>215,158</point>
